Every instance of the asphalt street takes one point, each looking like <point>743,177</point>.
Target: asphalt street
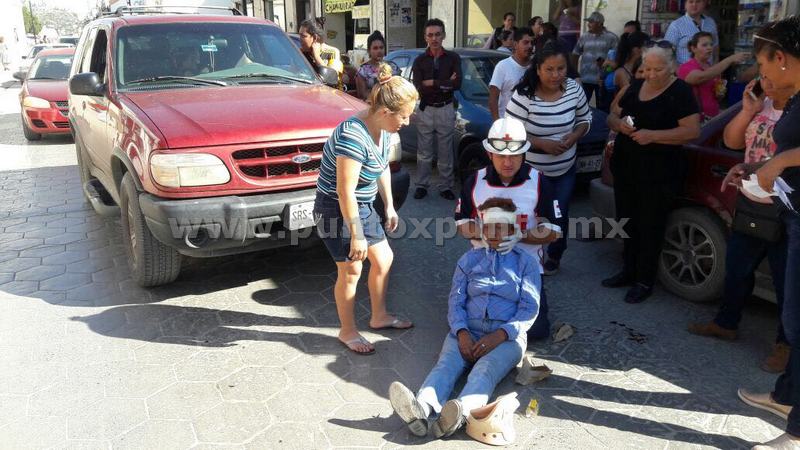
<point>241,352</point>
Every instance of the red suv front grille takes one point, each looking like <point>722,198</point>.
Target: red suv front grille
<point>273,162</point>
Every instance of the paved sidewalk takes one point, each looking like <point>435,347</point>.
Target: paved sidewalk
<point>241,352</point>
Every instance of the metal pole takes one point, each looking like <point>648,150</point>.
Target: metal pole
<point>33,22</point>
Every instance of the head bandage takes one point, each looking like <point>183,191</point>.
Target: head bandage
<point>498,215</point>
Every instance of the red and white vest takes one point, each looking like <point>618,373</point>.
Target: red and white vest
<point>525,196</point>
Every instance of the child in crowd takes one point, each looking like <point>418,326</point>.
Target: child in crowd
<point>703,76</point>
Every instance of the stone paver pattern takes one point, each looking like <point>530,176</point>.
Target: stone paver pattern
<point>241,352</point>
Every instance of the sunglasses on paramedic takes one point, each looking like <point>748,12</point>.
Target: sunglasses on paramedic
<point>501,144</point>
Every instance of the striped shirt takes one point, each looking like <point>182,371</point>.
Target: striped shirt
<point>590,47</point>
<point>551,120</point>
<point>351,139</point>
<point>681,30</point>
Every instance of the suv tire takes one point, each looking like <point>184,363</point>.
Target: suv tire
<point>29,134</point>
<point>472,159</point>
<point>151,262</point>
<point>692,261</point>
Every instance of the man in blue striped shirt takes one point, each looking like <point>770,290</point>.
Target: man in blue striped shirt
<point>681,30</point>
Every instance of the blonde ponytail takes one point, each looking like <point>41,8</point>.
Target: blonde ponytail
<point>391,91</point>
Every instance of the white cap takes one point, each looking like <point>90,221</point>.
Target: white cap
<point>508,136</point>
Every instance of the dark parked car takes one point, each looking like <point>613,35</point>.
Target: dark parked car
<point>692,262</point>
<point>473,119</point>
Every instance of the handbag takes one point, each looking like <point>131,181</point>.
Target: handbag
<point>757,220</point>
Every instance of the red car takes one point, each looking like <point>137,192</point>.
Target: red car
<point>204,134</point>
<point>692,262</point>
<point>44,94</point>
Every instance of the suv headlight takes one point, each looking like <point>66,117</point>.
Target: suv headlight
<point>35,102</point>
<point>188,169</point>
<point>395,148</point>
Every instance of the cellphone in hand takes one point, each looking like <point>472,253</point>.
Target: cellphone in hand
<point>757,89</point>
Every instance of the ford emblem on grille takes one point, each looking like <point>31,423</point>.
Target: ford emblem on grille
<point>300,159</point>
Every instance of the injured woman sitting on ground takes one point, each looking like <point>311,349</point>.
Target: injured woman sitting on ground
<point>493,301</point>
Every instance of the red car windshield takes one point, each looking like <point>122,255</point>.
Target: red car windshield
<point>169,55</point>
<point>54,67</point>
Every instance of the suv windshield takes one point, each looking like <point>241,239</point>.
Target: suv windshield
<point>171,54</point>
<point>477,75</point>
<point>55,67</point>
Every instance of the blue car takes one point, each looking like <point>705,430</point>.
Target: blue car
<point>473,119</point>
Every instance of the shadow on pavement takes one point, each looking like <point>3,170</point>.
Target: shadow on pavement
<point>53,247</point>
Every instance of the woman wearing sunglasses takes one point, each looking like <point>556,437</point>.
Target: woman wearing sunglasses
<point>777,50</point>
<point>653,118</point>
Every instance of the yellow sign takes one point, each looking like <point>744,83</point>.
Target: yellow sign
<point>338,6</point>
<point>361,12</point>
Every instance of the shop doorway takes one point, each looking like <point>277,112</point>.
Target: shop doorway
<point>422,17</point>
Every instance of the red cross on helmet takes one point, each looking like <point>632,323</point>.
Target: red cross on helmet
<point>507,137</point>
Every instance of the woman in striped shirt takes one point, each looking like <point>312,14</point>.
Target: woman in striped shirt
<point>354,169</point>
<point>556,114</point>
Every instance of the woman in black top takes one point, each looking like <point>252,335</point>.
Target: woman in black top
<point>653,117</point>
<point>777,49</point>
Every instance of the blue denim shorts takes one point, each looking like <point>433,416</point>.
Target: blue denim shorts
<point>335,233</point>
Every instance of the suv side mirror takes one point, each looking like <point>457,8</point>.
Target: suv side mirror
<point>329,76</point>
<point>87,83</point>
<point>19,76</point>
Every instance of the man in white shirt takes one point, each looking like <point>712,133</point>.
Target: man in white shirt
<point>508,73</point>
<point>681,30</point>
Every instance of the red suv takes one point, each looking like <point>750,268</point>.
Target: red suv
<point>204,133</point>
<point>692,262</point>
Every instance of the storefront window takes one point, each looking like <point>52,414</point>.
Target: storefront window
<point>483,16</point>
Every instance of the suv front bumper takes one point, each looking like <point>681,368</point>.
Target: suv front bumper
<point>217,226</point>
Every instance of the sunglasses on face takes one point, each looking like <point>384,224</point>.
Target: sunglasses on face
<point>501,144</point>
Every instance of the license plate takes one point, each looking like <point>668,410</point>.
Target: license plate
<point>300,216</point>
<point>589,163</point>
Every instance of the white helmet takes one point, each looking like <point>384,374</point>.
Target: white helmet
<point>507,137</point>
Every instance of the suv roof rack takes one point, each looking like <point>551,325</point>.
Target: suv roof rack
<point>165,9</point>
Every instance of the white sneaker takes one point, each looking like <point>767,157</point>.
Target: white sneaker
<point>408,408</point>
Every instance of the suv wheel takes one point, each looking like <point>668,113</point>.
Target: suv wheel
<point>29,134</point>
<point>692,261</point>
<point>472,159</point>
<point>152,263</point>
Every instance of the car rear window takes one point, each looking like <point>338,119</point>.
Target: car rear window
<point>477,74</point>
<point>55,67</point>
<point>214,50</point>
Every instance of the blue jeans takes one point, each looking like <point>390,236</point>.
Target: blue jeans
<point>557,188</point>
<point>483,376</point>
<point>787,388</point>
<point>744,254</point>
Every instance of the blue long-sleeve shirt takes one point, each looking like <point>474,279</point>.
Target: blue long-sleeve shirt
<point>489,285</point>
